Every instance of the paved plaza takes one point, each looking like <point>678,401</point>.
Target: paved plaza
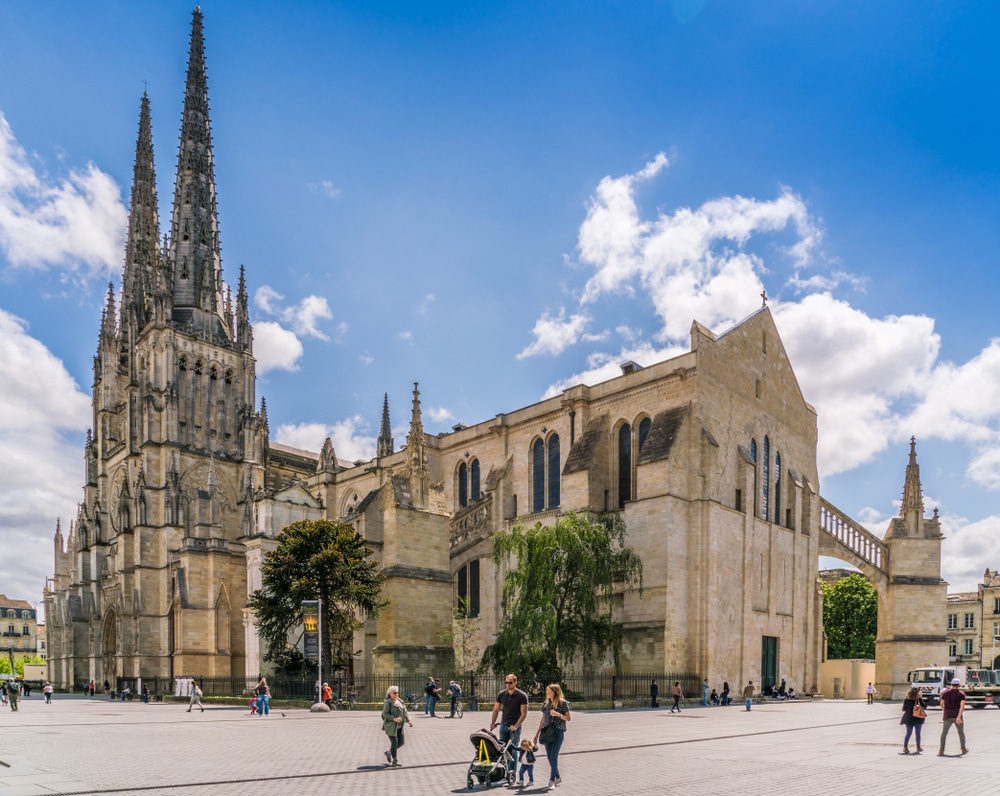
<point>85,745</point>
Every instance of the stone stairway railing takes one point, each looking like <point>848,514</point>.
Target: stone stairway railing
<point>862,543</point>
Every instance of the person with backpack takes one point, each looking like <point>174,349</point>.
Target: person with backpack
<point>455,690</point>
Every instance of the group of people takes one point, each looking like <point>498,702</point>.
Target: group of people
<point>511,707</point>
<point>952,713</point>
<point>433,695</point>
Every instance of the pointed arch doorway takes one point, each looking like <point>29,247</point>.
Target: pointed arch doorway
<point>109,649</point>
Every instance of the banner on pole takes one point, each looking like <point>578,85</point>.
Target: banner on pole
<point>310,622</point>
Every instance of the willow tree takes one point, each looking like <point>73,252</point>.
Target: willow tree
<point>558,591</point>
<point>317,560</point>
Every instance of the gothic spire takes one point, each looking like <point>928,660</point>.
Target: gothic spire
<point>327,458</point>
<point>244,334</point>
<point>142,254</point>
<point>385,442</point>
<point>108,319</point>
<point>195,255</point>
<point>912,508</point>
<point>415,461</point>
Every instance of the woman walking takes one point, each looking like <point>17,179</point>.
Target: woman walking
<point>394,715</point>
<point>555,714</point>
<point>914,722</point>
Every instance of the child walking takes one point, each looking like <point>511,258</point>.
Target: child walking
<point>527,762</point>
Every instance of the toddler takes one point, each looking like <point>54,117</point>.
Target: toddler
<point>527,762</point>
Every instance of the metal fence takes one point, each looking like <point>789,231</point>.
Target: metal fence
<point>583,689</point>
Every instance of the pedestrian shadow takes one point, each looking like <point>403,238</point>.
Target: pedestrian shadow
<point>373,768</point>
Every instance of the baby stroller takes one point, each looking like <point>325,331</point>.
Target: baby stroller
<point>490,765</point>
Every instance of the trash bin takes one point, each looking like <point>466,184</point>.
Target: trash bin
<point>473,703</point>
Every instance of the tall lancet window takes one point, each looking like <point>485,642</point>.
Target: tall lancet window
<point>777,488</point>
<point>766,477</point>
<point>463,485</point>
<point>474,480</point>
<point>538,476</point>
<point>624,464</point>
<point>553,471</point>
<point>753,459</point>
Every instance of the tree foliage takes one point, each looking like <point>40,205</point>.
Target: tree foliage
<point>19,661</point>
<point>558,594</point>
<point>850,616</point>
<point>316,559</point>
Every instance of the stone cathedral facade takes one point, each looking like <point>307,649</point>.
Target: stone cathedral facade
<point>710,456</point>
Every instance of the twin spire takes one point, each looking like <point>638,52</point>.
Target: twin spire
<point>179,280</point>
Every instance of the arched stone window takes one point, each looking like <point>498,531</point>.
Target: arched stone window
<point>644,425</point>
<point>766,481</point>
<point>474,480</point>
<point>624,464</point>
<point>553,471</point>
<point>463,485</point>
<point>538,476</point>
<point>777,488</point>
<point>753,458</point>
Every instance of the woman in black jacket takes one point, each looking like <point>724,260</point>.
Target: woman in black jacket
<point>912,722</point>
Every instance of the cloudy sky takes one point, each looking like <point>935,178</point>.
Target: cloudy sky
<point>500,200</point>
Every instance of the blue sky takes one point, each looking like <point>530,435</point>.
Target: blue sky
<point>498,200</point>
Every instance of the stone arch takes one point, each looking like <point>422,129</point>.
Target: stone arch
<point>109,647</point>
<point>223,633</point>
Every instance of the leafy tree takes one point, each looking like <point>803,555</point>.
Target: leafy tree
<point>850,616</point>
<point>462,637</point>
<point>19,661</point>
<point>557,597</point>
<point>316,559</point>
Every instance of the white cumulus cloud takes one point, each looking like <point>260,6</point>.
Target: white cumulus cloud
<point>77,222</point>
<point>275,347</point>
<point>43,414</point>
<point>350,437</point>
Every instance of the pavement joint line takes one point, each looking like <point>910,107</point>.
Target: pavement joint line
<point>376,768</point>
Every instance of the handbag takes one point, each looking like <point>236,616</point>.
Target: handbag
<point>548,734</point>
<point>918,711</point>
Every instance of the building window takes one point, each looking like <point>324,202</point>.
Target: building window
<point>554,471</point>
<point>753,461</point>
<point>952,621</point>
<point>468,590</point>
<point>766,478</point>
<point>474,480</point>
<point>624,464</point>
<point>739,500</point>
<point>996,605</point>
<point>968,646</point>
<point>970,620</point>
<point>777,488</point>
<point>996,630</point>
<point>644,431</point>
<point>25,631</point>
<point>463,485</point>
<point>10,630</point>
<point>952,649</point>
<point>538,476</point>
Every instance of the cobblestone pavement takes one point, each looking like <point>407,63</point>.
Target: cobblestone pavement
<point>94,746</point>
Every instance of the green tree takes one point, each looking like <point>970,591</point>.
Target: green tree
<point>558,594</point>
<point>316,559</point>
<point>850,616</point>
<point>462,637</point>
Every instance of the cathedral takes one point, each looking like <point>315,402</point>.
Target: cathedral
<point>709,456</point>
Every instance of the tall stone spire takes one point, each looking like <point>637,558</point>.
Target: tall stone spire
<point>195,256</point>
<point>912,508</point>
<point>244,333</point>
<point>327,458</point>
<point>416,464</point>
<point>142,251</point>
<point>386,446</point>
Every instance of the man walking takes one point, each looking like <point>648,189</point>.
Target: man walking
<point>13,692</point>
<point>677,694</point>
<point>654,694</point>
<point>952,709</point>
<point>870,691</point>
<point>748,694</point>
<point>455,691</point>
<point>514,704</point>
<point>195,698</point>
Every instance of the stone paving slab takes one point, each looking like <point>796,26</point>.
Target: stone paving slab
<point>94,746</point>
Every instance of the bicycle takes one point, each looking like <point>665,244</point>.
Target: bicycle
<point>416,701</point>
<point>459,710</point>
<point>345,704</point>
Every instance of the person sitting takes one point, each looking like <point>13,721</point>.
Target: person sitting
<point>781,689</point>
<point>126,693</point>
<point>791,693</point>
<point>714,698</point>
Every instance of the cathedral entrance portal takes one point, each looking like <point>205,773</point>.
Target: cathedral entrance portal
<point>109,649</point>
